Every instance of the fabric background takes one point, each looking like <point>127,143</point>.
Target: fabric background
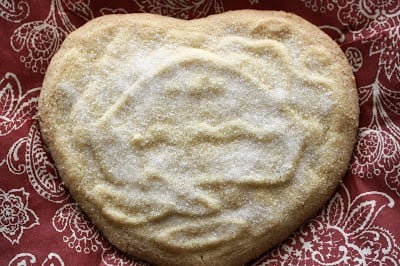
<point>41,225</point>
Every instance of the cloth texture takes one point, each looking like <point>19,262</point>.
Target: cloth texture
<point>40,224</point>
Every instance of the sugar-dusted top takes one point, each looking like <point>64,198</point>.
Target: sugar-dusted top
<point>199,137</point>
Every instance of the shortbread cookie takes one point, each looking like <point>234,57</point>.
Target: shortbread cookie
<point>202,142</point>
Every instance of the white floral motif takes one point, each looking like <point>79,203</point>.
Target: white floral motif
<point>354,57</point>
<point>181,8</point>
<point>385,105</point>
<point>83,237</point>
<point>52,259</point>
<point>38,41</point>
<point>37,164</point>
<point>14,10</point>
<point>343,234</point>
<point>377,153</point>
<point>15,216</point>
<point>385,38</point>
<point>41,170</point>
<point>358,15</point>
<point>16,107</point>
<point>377,22</point>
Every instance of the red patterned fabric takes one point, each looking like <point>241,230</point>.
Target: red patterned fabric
<point>41,225</point>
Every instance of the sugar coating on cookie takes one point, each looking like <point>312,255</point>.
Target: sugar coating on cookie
<point>202,142</point>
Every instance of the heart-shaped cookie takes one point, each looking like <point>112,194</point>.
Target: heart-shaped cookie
<point>202,142</point>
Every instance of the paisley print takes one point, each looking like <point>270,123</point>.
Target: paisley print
<point>16,107</point>
<point>14,10</point>
<point>343,234</point>
<point>40,168</point>
<point>358,225</point>
<point>16,216</point>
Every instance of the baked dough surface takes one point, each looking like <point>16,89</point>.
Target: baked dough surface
<point>202,142</point>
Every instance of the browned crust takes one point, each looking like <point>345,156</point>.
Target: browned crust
<point>52,108</point>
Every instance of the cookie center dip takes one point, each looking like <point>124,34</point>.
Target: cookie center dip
<point>195,147</point>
